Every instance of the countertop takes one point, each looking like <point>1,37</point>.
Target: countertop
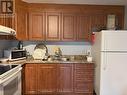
<point>74,61</point>
<point>22,62</point>
<point>78,59</point>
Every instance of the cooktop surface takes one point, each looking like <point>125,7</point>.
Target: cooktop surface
<point>5,68</point>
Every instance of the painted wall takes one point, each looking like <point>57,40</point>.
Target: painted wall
<point>4,44</point>
<point>68,48</point>
<point>126,17</point>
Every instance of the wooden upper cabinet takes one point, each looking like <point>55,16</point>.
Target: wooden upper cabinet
<point>6,21</point>
<point>30,79</point>
<point>68,27</point>
<point>36,26</point>
<point>53,26</point>
<point>83,27</point>
<point>98,21</point>
<point>2,21</point>
<point>21,24</point>
<point>46,78</point>
<point>119,21</point>
<point>20,19</point>
<point>65,78</point>
<point>59,22</point>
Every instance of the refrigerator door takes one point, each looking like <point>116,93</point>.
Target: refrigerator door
<point>113,40</point>
<point>113,80</point>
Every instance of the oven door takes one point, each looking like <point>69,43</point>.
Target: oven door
<point>12,84</point>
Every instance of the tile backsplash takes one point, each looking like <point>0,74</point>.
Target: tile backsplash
<point>67,48</point>
<point>4,44</point>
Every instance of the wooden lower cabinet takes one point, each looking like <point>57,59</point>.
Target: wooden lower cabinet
<point>58,79</point>
<point>30,80</point>
<point>83,78</point>
<point>46,78</point>
<point>65,78</point>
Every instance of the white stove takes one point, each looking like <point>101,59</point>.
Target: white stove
<point>10,79</point>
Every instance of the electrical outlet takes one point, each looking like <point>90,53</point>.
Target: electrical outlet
<point>88,52</point>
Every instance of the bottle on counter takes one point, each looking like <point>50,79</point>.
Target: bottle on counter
<point>89,57</point>
<point>20,45</point>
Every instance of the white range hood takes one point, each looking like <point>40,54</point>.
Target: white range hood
<point>7,31</point>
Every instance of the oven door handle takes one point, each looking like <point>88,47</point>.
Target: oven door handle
<point>6,79</point>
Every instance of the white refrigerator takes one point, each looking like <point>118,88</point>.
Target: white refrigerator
<point>110,55</point>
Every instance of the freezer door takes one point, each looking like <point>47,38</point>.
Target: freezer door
<point>113,80</point>
<point>114,41</point>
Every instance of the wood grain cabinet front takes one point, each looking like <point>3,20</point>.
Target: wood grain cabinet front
<point>83,78</point>
<point>36,26</point>
<point>46,78</point>
<point>72,22</point>
<point>30,80</point>
<point>6,21</point>
<point>60,22</point>
<point>44,26</point>
<point>68,27</point>
<point>21,28</point>
<point>99,21</point>
<point>53,26</point>
<point>83,27</point>
<point>64,78</point>
<point>17,20</point>
<point>58,79</point>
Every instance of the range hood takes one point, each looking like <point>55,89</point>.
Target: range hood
<point>7,31</point>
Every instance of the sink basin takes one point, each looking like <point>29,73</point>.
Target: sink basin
<point>59,59</point>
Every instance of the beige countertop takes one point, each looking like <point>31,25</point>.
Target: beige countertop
<point>40,61</point>
<point>22,62</point>
<point>78,59</point>
<point>75,61</point>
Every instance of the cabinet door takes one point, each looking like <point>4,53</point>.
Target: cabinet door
<point>53,26</point>
<point>36,26</point>
<point>6,20</point>
<point>46,78</point>
<point>83,27</point>
<point>68,27</point>
<point>99,21</point>
<point>83,78</point>
<point>119,21</point>
<point>65,78</point>
<point>21,24</point>
<point>30,79</point>
<point>2,21</point>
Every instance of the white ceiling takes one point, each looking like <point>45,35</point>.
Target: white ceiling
<point>97,2</point>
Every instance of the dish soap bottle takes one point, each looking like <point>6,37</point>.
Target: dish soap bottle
<point>89,57</point>
<point>20,45</point>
